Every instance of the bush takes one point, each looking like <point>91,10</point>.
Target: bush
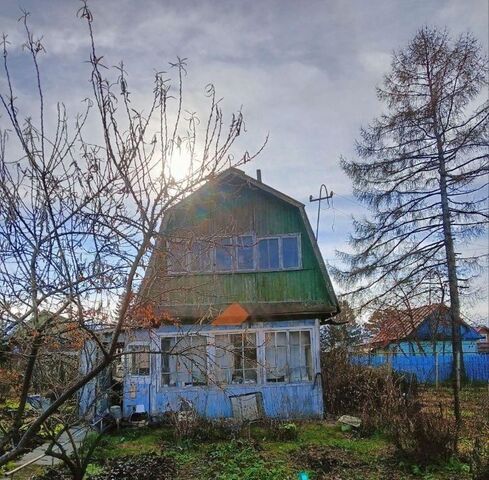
<point>366,392</point>
<point>423,438</point>
<point>479,458</point>
<point>387,401</point>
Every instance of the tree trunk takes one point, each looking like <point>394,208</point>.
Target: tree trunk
<point>452,285</point>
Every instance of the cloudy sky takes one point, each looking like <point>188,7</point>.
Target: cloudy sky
<point>303,71</point>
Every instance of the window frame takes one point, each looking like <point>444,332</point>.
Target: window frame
<point>141,346</point>
<point>280,268</point>
<point>213,246</point>
<point>174,353</point>
<point>288,331</point>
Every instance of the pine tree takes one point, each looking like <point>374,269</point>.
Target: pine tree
<point>422,171</point>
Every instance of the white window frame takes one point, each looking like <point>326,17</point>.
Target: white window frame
<point>280,253</point>
<point>139,347</point>
<point>234,249</point>
<point>178,337</point>
<point>313,348</point>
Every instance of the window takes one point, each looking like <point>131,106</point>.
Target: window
<point>288,356</point>
<point>276,346</point>
<point>184,360</point>
<point>200,259</point>
<point>235,254</point>
<point>290,252</point>
<point>300,365</point>
<point>236,360</point>
<point>177,256</point>
<point>224,255</point>
<point>138,360</point>
<point>244,252</point>
<point>268,254</point>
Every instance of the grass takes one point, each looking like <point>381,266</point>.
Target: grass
<point>321,448</point>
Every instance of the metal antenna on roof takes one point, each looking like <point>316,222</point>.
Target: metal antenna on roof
<point>327,196</point>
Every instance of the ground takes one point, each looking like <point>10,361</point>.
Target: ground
<point>281,451</point>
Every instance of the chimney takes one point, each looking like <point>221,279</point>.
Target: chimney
<point>258,175</point>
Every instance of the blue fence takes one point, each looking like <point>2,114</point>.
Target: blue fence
<point>430,368</point>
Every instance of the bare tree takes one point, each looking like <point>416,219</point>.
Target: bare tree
<point>78,218</point>
<point>423,173</point>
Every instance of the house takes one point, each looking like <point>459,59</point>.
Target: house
<point>483,343</point>
<point>237,290</point>
<point>421,330</point>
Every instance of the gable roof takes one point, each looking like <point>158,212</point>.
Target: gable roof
<point>395,325</point>
<point>398,325</point>
<point>230,176</point>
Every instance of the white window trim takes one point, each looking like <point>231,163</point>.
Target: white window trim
<point>159,372</point>
<point>234,269</point>
<point>313,355</point>
<point>260,357</point>
<point>128,352</point>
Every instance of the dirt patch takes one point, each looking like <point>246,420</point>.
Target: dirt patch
<point>140,467</point>
<point>326,459</point>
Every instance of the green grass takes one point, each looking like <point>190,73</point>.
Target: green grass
<point>258,455</point>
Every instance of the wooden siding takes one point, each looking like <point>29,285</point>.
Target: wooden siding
<point>236,207</point>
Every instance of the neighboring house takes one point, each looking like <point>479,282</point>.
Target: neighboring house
<point>425,329</point>
<point>483,343</point>
<point>239,289</point>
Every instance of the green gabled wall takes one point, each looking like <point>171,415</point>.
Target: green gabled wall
<point>237,207</point>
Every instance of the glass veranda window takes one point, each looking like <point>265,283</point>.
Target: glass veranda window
<point>276,356</point>
<point>184,360</point>
<point>139,360</point>
<point>300,356</point>
<point>288,356</point>
<point>236,359</point>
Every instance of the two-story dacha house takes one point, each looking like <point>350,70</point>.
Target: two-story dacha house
<point>239,277</point>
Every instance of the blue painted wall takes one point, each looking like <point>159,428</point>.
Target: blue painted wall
<point>280,400</point>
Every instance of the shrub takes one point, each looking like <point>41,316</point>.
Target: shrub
<point>479,458</point>
<point>423,438</point>
<point>366,392</point>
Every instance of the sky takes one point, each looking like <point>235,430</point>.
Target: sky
<point>303,72</point>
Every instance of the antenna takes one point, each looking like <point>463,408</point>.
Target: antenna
<point>327,196</point>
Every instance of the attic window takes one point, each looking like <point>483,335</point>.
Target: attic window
<point>224,255</point>
<point>268,255</point>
